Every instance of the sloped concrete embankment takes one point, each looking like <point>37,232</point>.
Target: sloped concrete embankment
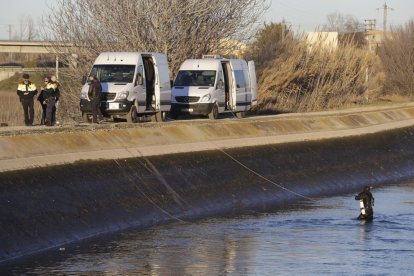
<point>45,207</point>
<point>40,146</point>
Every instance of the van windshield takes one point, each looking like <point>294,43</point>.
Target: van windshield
<point>114,73</point>
<point>195,78</point>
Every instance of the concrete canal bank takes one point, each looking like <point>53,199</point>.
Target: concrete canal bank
<point>62,185</point>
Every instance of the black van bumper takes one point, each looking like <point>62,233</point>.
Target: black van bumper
<point>192,109</point>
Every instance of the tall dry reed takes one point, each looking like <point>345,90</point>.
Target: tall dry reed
<point>397,55</point>
<point>11,111</point>
<point>302,79</point>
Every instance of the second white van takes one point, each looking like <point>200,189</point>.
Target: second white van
<point>214,85</point>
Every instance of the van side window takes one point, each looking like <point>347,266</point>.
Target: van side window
<point>240,80</point>
<point>140,75</point>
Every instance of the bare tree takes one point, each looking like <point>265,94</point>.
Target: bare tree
<point>27,28</point>
<point>268,44</point>
<point>342,23</point>
<point>179,28</point>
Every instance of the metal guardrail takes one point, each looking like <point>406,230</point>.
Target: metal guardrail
<point>22,69</point>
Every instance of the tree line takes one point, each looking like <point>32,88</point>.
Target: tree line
<point>290,77</point>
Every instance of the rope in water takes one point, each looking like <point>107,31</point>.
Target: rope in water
<point>265,178</point>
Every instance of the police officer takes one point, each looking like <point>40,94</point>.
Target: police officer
<point>26,92</point>
<point>368,201</point>
<point>50,94</point>
<point>54,79</point>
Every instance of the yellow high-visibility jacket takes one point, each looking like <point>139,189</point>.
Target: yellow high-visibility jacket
<point>26,91</point>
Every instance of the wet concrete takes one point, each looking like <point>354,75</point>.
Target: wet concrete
<point>46,207</point>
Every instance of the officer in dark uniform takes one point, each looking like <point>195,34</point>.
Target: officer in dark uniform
<point>94,95</point>
<point>26,92</point>
<point>367,213</point>
<point>50,94</point>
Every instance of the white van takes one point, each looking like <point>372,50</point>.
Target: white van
<point>133,85</point>
<point>214,85</point>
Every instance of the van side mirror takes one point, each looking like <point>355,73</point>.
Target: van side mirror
<point>171,83</point>
<point>220,84</point>
<point>84,78</point>
<point>139,80</point>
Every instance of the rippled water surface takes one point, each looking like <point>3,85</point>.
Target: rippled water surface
<point>316,238</point>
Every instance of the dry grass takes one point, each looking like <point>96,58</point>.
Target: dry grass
<point>301,80</point>
<point>11,111</point>
<point>397,55</point>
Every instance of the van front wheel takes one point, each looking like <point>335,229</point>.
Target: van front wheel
<point>213,115</point>
<point>132,115</point>
<point>85,117</point>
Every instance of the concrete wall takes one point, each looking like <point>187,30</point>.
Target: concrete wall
<point>5,74</point>
<point>40,146</point>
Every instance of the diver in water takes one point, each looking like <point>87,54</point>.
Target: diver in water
<point>366,203</point>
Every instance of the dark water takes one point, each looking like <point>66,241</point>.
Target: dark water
<point>310,239</point>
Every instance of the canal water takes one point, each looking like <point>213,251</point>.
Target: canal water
<point>309,238</point>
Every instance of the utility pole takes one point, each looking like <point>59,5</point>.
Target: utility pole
<point>385,8</point>
<point>370,24</point>
<point>10,31</point>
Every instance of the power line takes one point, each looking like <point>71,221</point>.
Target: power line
<point>10,31</point>
<point>385,8</point>
<point>370,24</point>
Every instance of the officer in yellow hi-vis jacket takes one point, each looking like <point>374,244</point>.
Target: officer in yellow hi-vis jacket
<point>26,92</point>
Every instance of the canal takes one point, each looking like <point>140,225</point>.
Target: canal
<point>310,238</point>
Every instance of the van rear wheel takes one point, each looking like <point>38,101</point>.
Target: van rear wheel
<point>213,115</point>
<point>164,116</point>
<point>241,114</point>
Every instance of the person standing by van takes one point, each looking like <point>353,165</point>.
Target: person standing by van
<point>26,92</point>
<point>150,83</point>
<point>94,94</point>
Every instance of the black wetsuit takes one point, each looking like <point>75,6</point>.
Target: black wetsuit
<point>368,200</point>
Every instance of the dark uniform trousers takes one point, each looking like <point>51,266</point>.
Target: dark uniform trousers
<point>28,108</point>
<point>96,110</point>
<point>51,101</point>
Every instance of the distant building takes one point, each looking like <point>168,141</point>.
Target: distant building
<point>370,40</point>
<point>327,40</point>
<point>375,38</point>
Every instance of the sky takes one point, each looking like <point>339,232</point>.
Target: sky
<point>301,15</point>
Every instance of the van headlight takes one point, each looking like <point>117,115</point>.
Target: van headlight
<point>206,98</point>
<point>122,95</point>
<point>84,95</point>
